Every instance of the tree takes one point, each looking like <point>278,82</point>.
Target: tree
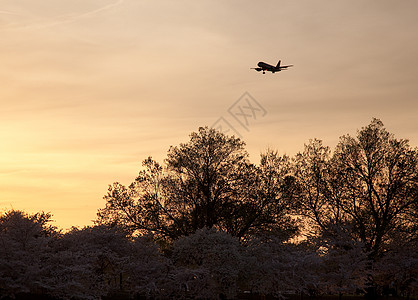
<point>99,261</point>
<point>207,265</point>
<point>207,182</point>
<point>380,186</point>
<point>370,184</point>
<point>274,267</point>
<point>273,206</point>
<point>366,190</point>
<point>397,271</point>
<point>312,175</point>
<point>24,247</point>
<point>344,263</point>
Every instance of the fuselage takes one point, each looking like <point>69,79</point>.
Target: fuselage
<point>262,66</point>
<point>268,67</point>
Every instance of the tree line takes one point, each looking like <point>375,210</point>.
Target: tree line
<point>208,223</point>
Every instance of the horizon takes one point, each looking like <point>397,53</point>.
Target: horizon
<point>91,89</point>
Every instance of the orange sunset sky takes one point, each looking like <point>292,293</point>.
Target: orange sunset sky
<point>89,88</point>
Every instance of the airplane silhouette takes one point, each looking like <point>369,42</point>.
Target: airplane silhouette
<point>262,66</point>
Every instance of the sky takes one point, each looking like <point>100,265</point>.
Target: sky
<point>90,88</point>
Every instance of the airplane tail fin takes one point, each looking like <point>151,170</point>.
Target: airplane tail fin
<point>278,64</point>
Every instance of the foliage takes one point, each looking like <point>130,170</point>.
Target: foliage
<point>226,226</point>
<point>369,184</point>
<point>344,263</point>
<point>24,240</point>
<point>207,182</point>
<point>86,263</point>
<point>275,267</point>
<point>366,192</point>
<point>397,271</point>
<point>213,259</point>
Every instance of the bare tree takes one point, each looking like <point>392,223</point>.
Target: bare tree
<point>207,182</point>
<point>369,183</point>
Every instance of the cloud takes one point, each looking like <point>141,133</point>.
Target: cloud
<point>51,14</point>
<point>6,12</point>
<point>73,18</point>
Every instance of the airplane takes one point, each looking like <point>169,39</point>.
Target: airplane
<point>262,66</point>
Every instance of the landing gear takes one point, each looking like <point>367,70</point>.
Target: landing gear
<point>264,72</point>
